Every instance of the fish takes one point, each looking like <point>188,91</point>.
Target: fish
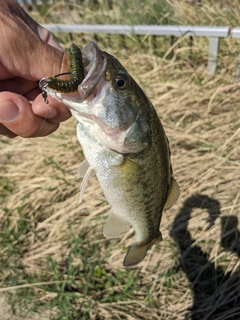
<point>125,146</point>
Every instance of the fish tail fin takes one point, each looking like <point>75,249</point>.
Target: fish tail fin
<point>137,252</point>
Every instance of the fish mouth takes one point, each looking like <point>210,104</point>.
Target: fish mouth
<point>93,86</point>
<point>94,63</point>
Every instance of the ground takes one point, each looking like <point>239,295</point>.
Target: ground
<point>53,253</point>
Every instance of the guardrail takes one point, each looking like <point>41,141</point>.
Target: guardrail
<point>213,33</point>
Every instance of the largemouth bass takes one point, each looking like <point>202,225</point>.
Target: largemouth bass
<point>124,143</point>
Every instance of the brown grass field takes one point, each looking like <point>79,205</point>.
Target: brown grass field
<point>55,261</point>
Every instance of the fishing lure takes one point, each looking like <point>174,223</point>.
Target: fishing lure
<point>76,75</point>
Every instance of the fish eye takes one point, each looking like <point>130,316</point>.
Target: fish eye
<point>122,82</point>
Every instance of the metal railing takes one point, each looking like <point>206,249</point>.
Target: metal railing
<point>213,33</point>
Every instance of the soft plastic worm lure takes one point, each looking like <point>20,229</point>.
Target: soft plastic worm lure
<point>76,75</point>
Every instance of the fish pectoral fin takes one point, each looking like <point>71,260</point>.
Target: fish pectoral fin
<point>137,252</point>
<point>87,174</point>
<point>173,194</point>
<point>83,168</point>
<point>115,226</point>
<point>131,165</point>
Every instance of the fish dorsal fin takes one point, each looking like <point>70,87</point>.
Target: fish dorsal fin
<point>85,172</point>
<point>173,194</point>
<point>115,226</point>
<point>82,169</point>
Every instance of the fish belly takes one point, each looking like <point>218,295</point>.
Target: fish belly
<point>129,187</point>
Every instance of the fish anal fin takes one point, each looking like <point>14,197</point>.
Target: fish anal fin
<point>115,226</point>
<point>173,194</point>
<point>137,252</point>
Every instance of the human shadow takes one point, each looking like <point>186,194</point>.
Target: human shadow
<point>230,238</point>
<point>216,293</point>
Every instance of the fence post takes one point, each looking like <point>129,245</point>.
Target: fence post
<point>172,40</point>
<point>236,34</point>
<point>212,54</point>
<point>34,5</point>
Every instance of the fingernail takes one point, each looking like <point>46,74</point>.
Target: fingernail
<point>9,112</point>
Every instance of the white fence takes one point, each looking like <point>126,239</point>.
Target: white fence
<point>213,33</point>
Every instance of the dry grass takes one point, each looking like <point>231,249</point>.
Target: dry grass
<point>53,249</point>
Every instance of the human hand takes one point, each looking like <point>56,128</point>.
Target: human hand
<point>28,53</point>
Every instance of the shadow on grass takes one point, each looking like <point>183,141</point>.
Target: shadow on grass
<point>216,294</point>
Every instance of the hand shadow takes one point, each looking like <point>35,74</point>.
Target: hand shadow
<point>230,238</point>
<point>216,294</point>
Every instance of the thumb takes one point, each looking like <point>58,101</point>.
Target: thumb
<point>48,61</point>
<point>34,52</point>
<point>54,59</point>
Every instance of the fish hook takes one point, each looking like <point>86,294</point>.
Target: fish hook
<point>43,83</point>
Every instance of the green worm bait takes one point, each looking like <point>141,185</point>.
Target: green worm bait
<point>76,75</point>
